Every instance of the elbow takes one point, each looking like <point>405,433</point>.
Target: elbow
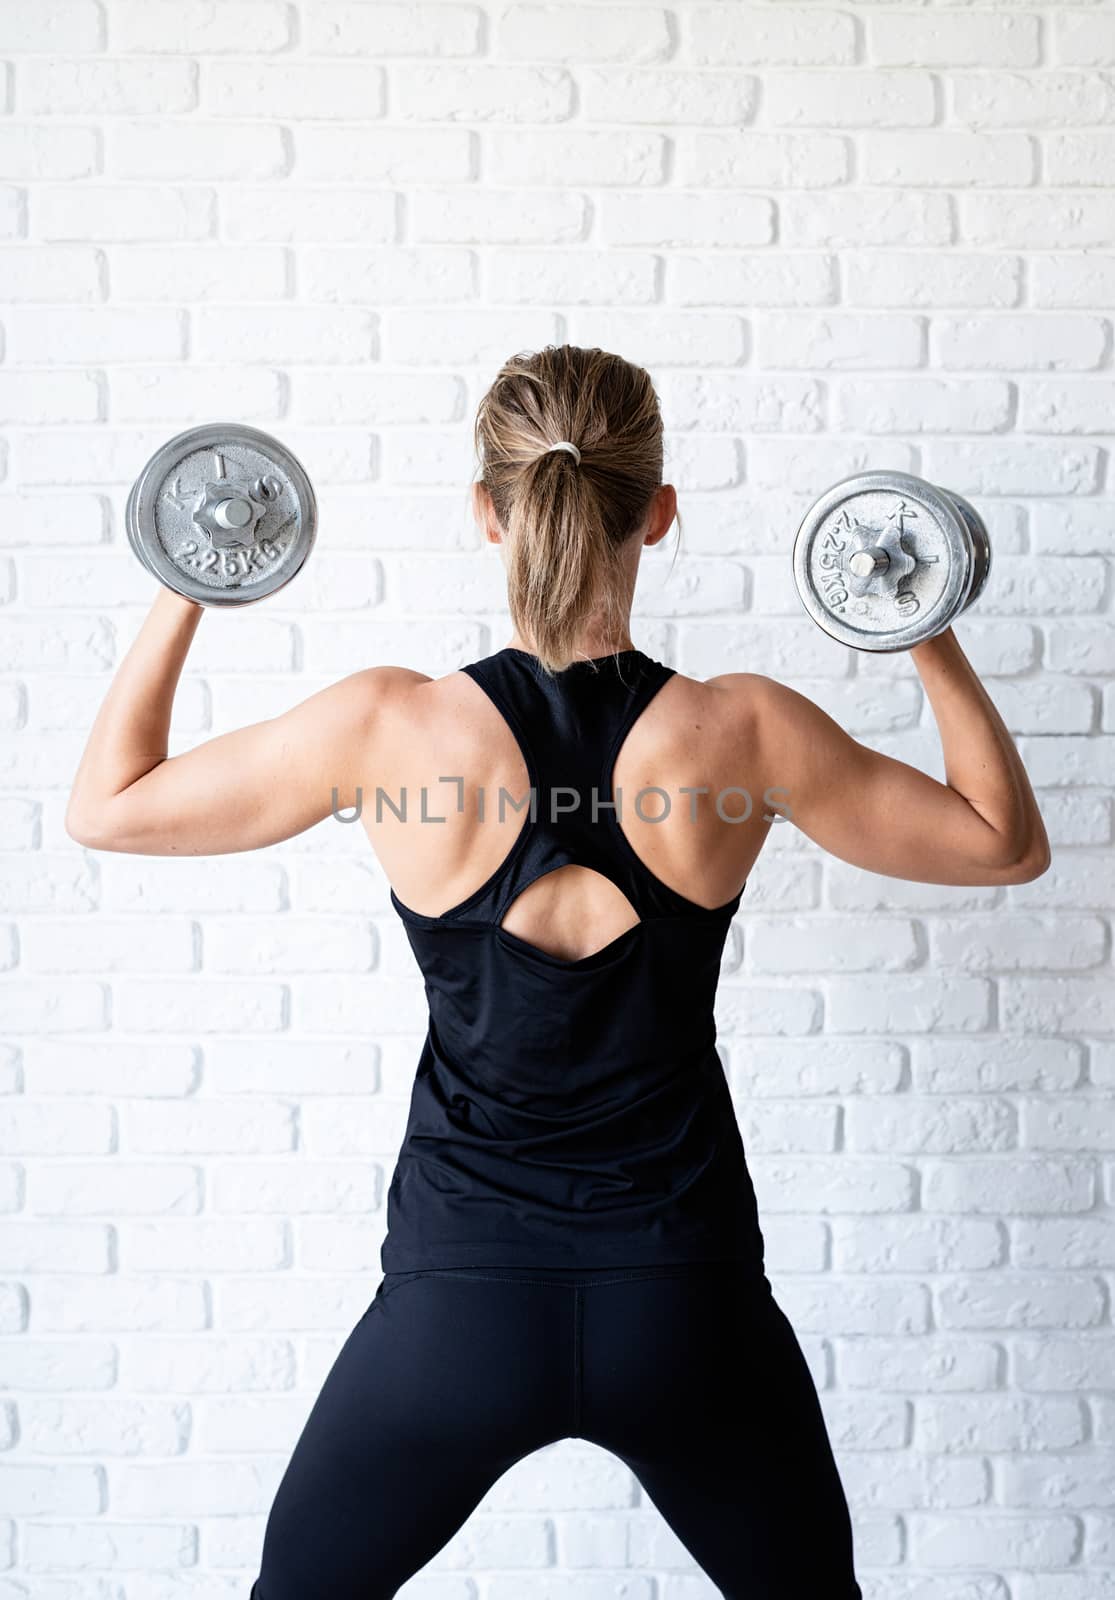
<point>1029,863</point>
<point>87,830</point>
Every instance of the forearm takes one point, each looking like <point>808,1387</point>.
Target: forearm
<point>131,730</point>
<point>981,760</point>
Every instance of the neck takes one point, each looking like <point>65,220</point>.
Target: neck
<point>589,648</point>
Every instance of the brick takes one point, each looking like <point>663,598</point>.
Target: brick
<point>1077,158</point>
<point>386,30</point>
<point>746,403</point>
<point>104,213</point>
<point>184,393</point>
<point>808,466</point>
<point>197,27</point>
<point>1056,1004</point>
<point>969,39</point>
<point>855,220</point>
<point>667,96</point>
<point>289,333</point>
<point>906,1244</point>
<point>31,152</point>
<point>209,272</point>
<point>401,276</point>
<point>298,1185</point>
<point>36,1246</point>
<point>631,33</point>
<point>1049,99</point>
<point>295,212</point>
<point>69,25</point>
<point>1022,1300</point>
<point>840,341</point>
<point>1014,221</point>
<point>949,158</point>
<point>103,333</point>
<point>1066,528</point>
<point>82,456</point>
<point>1029,343</point>
<point>64,273</point>
<point>762,160</point>
<point>50,1489</point>
<point>485,92</point>
<point>1012,1184</point>
<point>291,91</point>
<point>12,212</point>
<point>1072,281</point>
<point>946,1066</point>
<point>578,156</point>
<point>875,99</point>
<point>921,1003</point>
<point>196,149</point>
<point>1004,1540</point>
<point>106,1544</point>
<point>784,944</point>
<point>785,279</point>
<point>43,1127</point>
<point>923,405</point>
<point>1086,1123</point>
<point>36,397</point>
<point>1015,467</point>
<point>1082,405</point>
<point>686,220</point>
<point>107,87</point>
<point>1082,40</point>
<point>210,1245</point>
<point>930,1126</point>
<point>934,282</point>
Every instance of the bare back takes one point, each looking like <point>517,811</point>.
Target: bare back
<point>445,736</point>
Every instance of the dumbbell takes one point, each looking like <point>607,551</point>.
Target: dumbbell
<point>884,560</point>
<point>222,514</point>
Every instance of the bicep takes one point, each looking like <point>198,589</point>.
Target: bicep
<point>870,809</point>
<point>251,787</point>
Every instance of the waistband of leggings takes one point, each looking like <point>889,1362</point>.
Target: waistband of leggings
<point>580,1275</point>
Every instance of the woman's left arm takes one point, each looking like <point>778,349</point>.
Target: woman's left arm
<point>239,791</point>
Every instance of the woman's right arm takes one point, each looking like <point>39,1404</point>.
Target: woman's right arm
<point>981,826</point>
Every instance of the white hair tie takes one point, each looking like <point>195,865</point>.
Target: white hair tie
<point>563,444</point>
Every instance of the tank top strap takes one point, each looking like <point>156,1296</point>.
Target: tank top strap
<point>569,729</point>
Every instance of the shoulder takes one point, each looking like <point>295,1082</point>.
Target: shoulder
<point>759,700</point>
<point>374,689</point>
<point>767,718</point>
<point>354,705</point>
<point>732,702</point>
<point>398,704</point>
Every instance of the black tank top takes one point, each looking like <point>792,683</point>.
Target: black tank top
<point>570,1113</point>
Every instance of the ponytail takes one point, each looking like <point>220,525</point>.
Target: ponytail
<point>566,521</point>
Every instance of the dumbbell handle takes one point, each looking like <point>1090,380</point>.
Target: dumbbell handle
<point>233,512</point>
<point>866,563</point>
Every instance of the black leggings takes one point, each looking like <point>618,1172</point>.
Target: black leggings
<point>691,1375</point>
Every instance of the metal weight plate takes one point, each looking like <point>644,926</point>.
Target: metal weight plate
<point>884,560</point>
<point>223,514</point>
<point>981,546</point>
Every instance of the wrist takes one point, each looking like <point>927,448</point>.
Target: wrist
<point>173,604</point>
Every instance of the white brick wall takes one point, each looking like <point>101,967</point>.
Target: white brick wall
<point>841,236</point>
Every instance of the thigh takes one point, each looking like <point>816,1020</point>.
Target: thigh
<point>442,1385</point>
<point>699,1384</point>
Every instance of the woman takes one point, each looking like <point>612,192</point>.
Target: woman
<point>572,1247</point>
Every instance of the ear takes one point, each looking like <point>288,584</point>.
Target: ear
<point>484,513</point>
<point>663,510</point>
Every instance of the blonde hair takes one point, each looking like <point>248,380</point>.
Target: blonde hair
<point>565,521</point>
